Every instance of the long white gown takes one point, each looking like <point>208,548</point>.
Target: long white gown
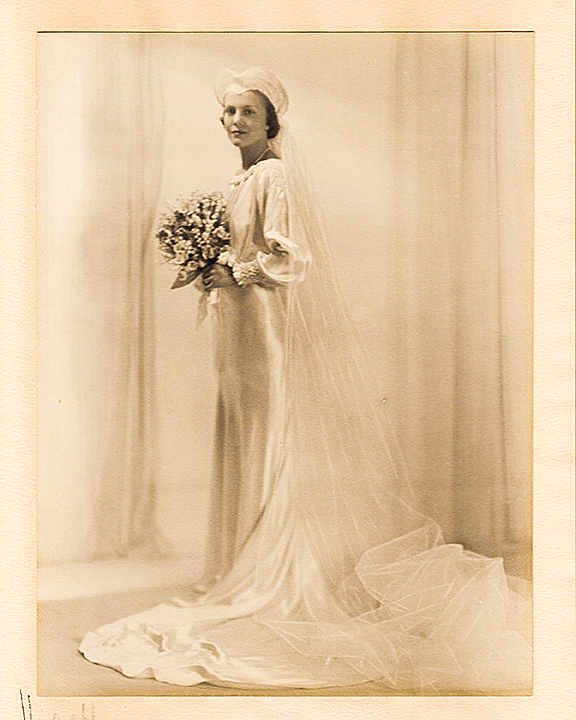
<point>284,610</point>
<point>250,329</point>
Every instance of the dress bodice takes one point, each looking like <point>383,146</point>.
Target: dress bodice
<point>259,221</point>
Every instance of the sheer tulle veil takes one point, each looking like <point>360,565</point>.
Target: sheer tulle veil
<point>402,605</point>
<point>349,481</point>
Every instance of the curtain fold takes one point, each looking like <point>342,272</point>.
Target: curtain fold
<point>103,310</point>
<point>514,150</point>
<point>125,149</point>
<point>462,231</point>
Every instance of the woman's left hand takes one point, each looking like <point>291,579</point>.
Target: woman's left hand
<point>217,276</point>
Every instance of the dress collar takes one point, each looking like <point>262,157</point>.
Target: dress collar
<point>245,174</point>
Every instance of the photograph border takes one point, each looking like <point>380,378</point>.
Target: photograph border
<point>555,646</point>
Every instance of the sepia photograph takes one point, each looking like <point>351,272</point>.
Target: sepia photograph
<point>285,340</point>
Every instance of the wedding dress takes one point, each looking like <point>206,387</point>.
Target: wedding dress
<point>325,574</point>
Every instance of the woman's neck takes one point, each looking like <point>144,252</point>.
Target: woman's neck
<point>252,154</point>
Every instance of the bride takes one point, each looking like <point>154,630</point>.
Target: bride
<point>321,572</point>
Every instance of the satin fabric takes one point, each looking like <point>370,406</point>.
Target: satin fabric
<point>251,447</point>
<point>287,608</point>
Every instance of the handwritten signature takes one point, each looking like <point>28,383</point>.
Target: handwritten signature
<point>87,712</point>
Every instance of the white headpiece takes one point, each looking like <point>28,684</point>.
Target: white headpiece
<point>255,78</point>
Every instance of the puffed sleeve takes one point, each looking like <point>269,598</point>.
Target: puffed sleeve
<point>283,261</point>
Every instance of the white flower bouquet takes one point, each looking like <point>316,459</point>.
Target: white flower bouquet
<point>192,234</point>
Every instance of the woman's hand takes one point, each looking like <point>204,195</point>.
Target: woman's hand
<point>217,276</point>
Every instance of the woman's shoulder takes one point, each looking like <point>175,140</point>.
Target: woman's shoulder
<point>269,171</point>
<point>269,166</point>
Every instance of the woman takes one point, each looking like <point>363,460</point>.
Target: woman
<point>250,322</point>
<point>321,571</point>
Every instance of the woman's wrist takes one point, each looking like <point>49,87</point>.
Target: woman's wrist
<point>244,273</point>
<point>247,273</point>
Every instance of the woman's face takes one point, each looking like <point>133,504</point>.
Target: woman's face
<point>245,118</point>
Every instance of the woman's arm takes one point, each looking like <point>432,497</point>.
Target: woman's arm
<point>284,261</point>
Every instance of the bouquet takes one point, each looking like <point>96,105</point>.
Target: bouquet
<point>192,234</point>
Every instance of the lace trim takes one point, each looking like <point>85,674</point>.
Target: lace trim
<point>247,273</point>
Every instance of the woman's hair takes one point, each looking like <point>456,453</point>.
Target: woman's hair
<point>271,116</point>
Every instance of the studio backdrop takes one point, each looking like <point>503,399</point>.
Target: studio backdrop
<point>420,148</point>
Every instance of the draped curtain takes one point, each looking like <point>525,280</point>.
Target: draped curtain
<point>99,177</point>
<point>420,145</point>
<point>462,240</point>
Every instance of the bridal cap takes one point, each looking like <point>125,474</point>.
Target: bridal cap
<point>255,78</point>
